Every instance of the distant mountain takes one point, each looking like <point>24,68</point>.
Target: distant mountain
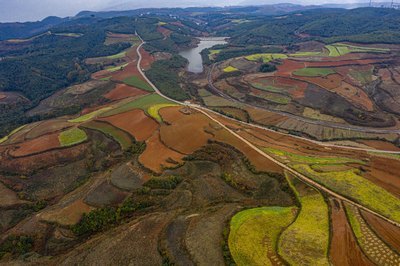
<point>27,29</point>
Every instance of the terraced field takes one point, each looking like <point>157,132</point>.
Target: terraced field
<point>118,135</point>
<point>306,241</point>
<point>254,234</point>
<point>376,250</point>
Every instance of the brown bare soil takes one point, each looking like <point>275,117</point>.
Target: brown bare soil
<point>344,249</point>
<point>2,96</point>
<point>123,91</point>
<point>30,164</point>
<point>105,194</point>
<point>134,243</point>
<point>8,197</point>
<point>265,117</point>
<point>38,145</point>
<point>135,122</point>
<point>204,235</point>
<point>69,215</point>
<point>157,156</point>
<point>387,231</point>
<point>380,145</point>
<point>183,132</point>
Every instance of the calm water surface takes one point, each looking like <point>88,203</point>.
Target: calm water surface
<point>193,54</point>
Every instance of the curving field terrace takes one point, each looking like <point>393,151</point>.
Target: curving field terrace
<point>372,245</point>
<point>254,234</point>
<point>306,240</point>
<point>123,138</point>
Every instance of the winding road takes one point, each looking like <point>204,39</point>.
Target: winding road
<point>300,176</point>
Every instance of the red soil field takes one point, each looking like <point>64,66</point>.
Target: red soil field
<point>135,122</point>
<point>158,155</point>
<point>127,72</point>
<point>147,59</point>
<point>184,132</point>
<point>385,173</point>
<point>380,145</point>
<point>288,67</point>
<point>387,231</point>
<point>344,249</point>
<point>123,91</point>
<point>328,82</point>
<point>38,145</point>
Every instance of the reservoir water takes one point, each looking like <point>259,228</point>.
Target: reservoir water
<point>193,54</point>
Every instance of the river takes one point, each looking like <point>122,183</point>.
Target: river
<point>193,54</point>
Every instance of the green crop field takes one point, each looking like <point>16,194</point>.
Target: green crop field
<point>339,49</point>
<point>72,137</point>
<point>265,57</point>
<point>117,68</point>
<point>254,233</point>
<point>306,54</point>
<point>350,184</point>
<point>306,241</point>
<point>143,103</point>
<point>117,56</point>
<point>153,111</point>
<point>314,72</point>
<point>302,159</point>
<point>230,69</point>
<point>332,50</point>
<point>89,116</point>
<point>137,82</point>
<point>123,138</point>
<point>275,97</point>
<point>268,88</point>
<point>4,139</point>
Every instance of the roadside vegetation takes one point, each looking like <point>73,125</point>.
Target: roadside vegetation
<point>153,111</point>
<point>165,75</point>
<point>137,82</point>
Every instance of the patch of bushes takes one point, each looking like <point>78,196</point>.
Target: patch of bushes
<point>16,245</point>
<point>164,74</point>
<point>266,68</point>
<point>105,218</point>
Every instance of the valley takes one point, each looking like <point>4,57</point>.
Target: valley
<point>274,154</point>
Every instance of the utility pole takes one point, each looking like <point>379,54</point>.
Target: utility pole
<point>370,3</point>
